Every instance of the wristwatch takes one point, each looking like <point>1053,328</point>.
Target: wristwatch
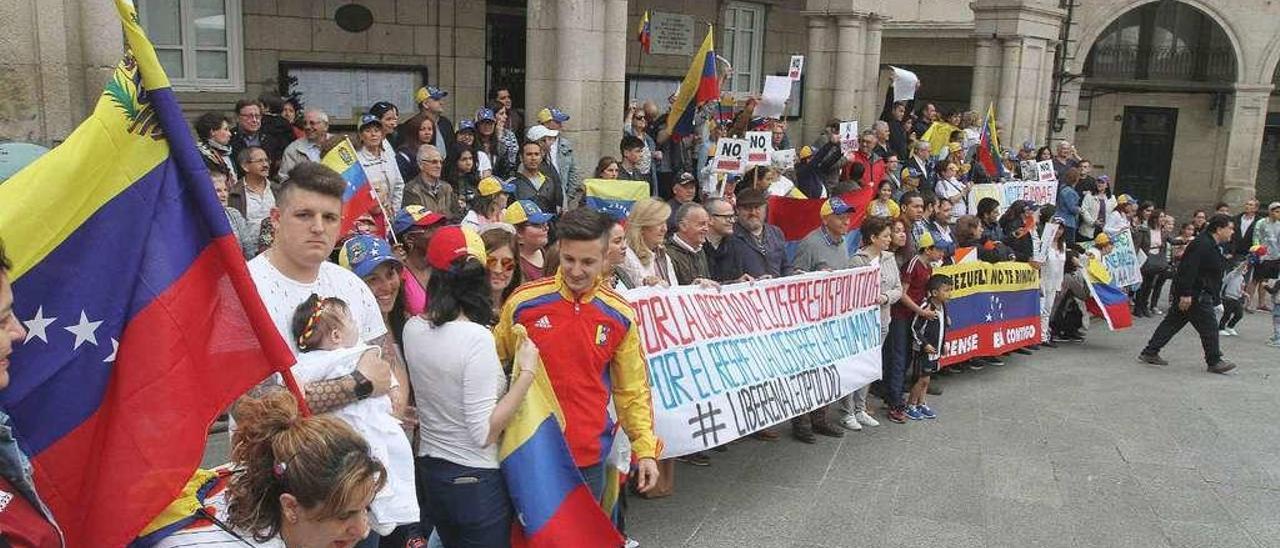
<point>364,386</point>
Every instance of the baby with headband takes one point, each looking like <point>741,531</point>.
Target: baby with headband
<point>330,347</point>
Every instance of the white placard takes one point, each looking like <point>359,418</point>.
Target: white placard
<point>784,159</point>
<point>759,147</point>
<point>730,155</point>
<point>849,137</point>
<point>905,84</point>
<point>1030,170</point>
<point>777,89</point>
<point>797,66</point>
<point>1046,171</point>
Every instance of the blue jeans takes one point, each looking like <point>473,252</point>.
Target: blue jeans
<point>468,506</point>
<point>896,349</point>
<point>593,476</point>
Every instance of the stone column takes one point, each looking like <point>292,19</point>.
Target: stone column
<point>849,78</point>
<point>613,83</point>
<point>872,100</point>
<point>576,59</point>
<point>1248,116</point>
<point>1044,118</point>
<point>818,75</point>
<point>1010,59</point>
<point>986,74</point>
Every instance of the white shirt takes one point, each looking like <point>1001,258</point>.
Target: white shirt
<point>639,271</point>
<point>383,167</point>
<point>950,189</point>
<point>458,380</point>
<point>258,206</point>
<point>1117,222</point>
<point>483,164</point>
<point>282,295</point>
<point>397,502</point>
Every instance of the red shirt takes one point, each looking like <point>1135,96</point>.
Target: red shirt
<point>915,279</point>
<point>21,524</point>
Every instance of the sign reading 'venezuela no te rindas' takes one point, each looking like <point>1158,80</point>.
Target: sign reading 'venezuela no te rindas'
<point>726,363</point>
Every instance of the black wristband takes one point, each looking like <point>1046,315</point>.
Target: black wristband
<point>364,386</point>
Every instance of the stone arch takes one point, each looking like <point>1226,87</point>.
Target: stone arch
<point>1092,30</point>
<point>1270,61</point>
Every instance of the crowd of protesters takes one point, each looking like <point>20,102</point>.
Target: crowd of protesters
<point>421,329</point>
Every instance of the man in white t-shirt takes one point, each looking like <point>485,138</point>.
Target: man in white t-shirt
<point>306,218</point>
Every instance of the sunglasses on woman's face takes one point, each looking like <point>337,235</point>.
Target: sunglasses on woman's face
<point>504,264</point>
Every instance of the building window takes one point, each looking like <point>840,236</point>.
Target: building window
<point>743,46</point>
<point>1163,41</point>
<point>198,42</point>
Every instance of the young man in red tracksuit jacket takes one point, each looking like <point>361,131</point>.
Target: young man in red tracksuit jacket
<point>590,346</point>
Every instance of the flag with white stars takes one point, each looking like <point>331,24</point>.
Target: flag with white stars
<point>142,322</point>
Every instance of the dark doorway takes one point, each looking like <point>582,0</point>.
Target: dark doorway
<point>505,48</point>
<point>1146,152</point>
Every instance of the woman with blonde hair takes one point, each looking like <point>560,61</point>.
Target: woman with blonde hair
<point>646,260</point>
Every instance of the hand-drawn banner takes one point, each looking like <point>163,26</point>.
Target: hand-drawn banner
<point>724,364</point>
<point>1037,192</point>
<point>994,309</point>
<point>1122,262</point>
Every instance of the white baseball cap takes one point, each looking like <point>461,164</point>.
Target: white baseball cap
<point>536,133</point>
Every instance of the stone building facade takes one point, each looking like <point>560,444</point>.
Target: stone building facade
<point>1175,98</point>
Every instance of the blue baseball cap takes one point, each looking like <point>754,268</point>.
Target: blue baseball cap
<point>429,92</point>
<point>368,119</point>
<point>548,114</point>
<point>486,114</point>
<point>466,125</point>
<point>363,253</point>
<point>525,211</point>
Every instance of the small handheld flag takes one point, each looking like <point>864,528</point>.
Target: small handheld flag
<point>643,34</point>
<point>357,197</point>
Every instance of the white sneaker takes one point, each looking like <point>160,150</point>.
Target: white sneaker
<point>1233,331</point>
<point>851,422</point>
<point>866,419</point>
<point>1274,342</point>
<point>631,543</point>
<point>1224,332</point>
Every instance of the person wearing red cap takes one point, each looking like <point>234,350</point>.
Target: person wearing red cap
<point>589,341</point>
<point>464,401</point>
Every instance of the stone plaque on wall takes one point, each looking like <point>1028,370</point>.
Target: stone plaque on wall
<point>671,34</point>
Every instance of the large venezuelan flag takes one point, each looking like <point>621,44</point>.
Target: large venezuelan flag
<point>994,309</point>
<point>700,85</point>
<point>553,506</point>
<point>358,197</point>
<point>143,323</point>
<point>615,196</point>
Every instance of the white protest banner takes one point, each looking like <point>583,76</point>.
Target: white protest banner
<point>1036,192</point>
<point>1122,262</point>
<point>777,90</point>
<point>759,147</point>
<point>797,65</point>
<point>730,155</point>
<point>849,137</point>
<point>1046,171</point>
<point>726,363</point>
<point>784,160</point>
<point>905,84</point>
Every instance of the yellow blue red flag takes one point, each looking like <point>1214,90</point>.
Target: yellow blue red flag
<point>143,323</point>
<point>700,85</point>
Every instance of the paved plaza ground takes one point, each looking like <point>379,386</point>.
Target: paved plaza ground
<point>1075,447</point>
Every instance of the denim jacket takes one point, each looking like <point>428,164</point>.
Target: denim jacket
<point>16,467</point>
